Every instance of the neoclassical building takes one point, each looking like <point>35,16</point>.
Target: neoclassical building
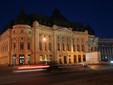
<point>29,39</point>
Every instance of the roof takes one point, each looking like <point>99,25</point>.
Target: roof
<point>55,19</point>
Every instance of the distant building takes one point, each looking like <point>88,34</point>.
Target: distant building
<point>105,46</point>
<point>29,39</point>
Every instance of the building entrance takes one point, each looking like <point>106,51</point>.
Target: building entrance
<point>21,59</point>
<point>65,60</point>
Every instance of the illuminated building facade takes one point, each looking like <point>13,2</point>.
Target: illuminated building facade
<point>105,46</point>
<point>34,38</point>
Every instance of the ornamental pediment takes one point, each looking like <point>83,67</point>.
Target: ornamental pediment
<point>66,30</point>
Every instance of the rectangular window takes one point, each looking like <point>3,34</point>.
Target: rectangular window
<point>40,45</point>
<point>49,46</point>
<point>21,45</point>
<point>83,49</point>
<point>58,47</point>
<point>28,46</point>
<point>14,46</point>
<point>78,47</point>
<point>75,60</point>
<point>79,58</point>
<point>84,58</point>
<point>73,47</point>
<point>63,47</point>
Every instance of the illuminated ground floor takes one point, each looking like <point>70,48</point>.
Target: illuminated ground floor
<point>29,58</point>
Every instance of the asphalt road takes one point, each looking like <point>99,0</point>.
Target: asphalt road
<point>95,75</point>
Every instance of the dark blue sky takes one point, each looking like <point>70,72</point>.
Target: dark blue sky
<point>97,13</point>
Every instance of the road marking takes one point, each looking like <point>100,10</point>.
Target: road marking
<point>7,82</point>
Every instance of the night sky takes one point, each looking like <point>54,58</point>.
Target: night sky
<point>97,13</point>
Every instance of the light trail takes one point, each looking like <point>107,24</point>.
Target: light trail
<point>31,70</point>
<point>33,67</point>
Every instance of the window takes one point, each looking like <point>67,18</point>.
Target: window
<point>50,46</point>
<point>45,47</point>
<point>73,40</point>
<point>68,47</point>
<point>40,35</point>
<point>73,47</point>
<point>84,58</point>
<point>29,32</point>
<point>83,49</point>
<point>58,47</point>
<point>69,56</point>
<point>74,58</point>
<point>79,58</point>
<point>82,40</point>
<point>21,45</point>
<point>28,46</point>
<point>40,46</point>
<point>22,38</point>
<point>59,55</point>
<point>69,60</point>
<point>41,58</point>
<point>78,47</point>
<point>14,46</point>
<point>58,37</point>
<point>49,36</point>
<point>63,46</point>
<point>60,60</point>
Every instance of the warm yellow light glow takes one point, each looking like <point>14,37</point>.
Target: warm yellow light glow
<point>44,39</point>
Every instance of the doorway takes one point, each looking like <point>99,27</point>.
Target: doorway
<point>65,60</point>
<point>21,60</point>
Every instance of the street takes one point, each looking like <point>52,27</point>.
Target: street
<point>92,75</point>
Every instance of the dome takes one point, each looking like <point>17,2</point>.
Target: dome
<point>22,18</point>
